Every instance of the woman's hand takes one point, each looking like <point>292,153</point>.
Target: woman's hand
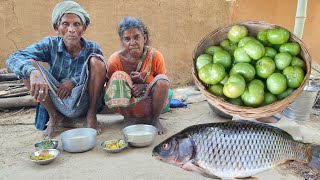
<point>64,89</point>
<point>138,89</point>
<point>136,77</point>
<point>38,86</point>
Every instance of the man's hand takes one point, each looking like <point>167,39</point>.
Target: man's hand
<point>64,89</point>
<point>138,89</point>
<point>136,77</point>
<point>38,86</point>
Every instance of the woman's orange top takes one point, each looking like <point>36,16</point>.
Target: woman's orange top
<point>158,65</point>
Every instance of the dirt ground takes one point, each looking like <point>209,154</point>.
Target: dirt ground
<point>18,135</point>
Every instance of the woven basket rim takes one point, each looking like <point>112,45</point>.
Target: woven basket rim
<point>243,111</point>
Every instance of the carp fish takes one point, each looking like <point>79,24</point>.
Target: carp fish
<point>235,149</point>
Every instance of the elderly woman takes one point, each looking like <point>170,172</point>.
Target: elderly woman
<point>73,84</point>
<point>138,86</point>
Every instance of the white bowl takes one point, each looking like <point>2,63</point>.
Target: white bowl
<point>53,152</point>
<point>103,145</point>
<point>79,140</point>
<point>140,135</point>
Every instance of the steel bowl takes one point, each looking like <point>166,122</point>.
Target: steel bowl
<point>39,145</point>
<point>104,146</point>
<point>53,152</point>
<point>79,140</point>
<point>140,135</point>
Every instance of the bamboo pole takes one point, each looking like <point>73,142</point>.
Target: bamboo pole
<point>301,15</point>
<point>14,82</point>
<point>13,91</point>
<point>8,77</point>
<point>17,94</point>
<point>23,101</point>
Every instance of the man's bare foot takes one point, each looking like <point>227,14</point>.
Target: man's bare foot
<point>158,125</point>
<point>92,123</point>
<point>52,125</point>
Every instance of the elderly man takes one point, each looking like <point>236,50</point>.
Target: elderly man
<point>73,84</point>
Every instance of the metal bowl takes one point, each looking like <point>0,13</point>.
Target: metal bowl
<point>53,152</point>
<point>140,135</point>
<point>79,140</point>
<point>104,147</point>
<point>39,145</point>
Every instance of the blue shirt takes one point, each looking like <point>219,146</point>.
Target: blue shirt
<point>53,51</point>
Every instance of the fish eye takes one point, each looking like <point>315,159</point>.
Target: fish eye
<point>165,146</point>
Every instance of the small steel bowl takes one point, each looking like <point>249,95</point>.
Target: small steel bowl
<point>104,146</point>
<point>140,135</point>
<point>53,146</point>
<point>79,140</point>
<point>53,152</point>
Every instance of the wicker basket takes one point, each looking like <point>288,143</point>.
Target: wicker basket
<point>214,38</point>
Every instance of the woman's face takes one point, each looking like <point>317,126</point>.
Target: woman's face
<point>71,29</point>
<point>133,41</point>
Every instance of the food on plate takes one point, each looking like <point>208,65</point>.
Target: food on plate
<point>42,156</point>
<point>45,144</point>
<point>116,144</point>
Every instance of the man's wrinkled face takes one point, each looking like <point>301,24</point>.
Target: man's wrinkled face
<point>71,29</point>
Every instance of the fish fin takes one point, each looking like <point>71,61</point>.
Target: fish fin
<point>315,161</point>
<point>191,166</point>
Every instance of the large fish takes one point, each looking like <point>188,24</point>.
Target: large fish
<point>235,149</point>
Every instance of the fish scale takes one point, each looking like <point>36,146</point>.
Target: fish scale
<point>248,154</point>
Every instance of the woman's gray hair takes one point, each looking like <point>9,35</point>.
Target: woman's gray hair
<point>132,22</point>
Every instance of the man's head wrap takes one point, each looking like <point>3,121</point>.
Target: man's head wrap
<point>66,7</point>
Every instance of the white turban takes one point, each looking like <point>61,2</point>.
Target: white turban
<point>69,7</point>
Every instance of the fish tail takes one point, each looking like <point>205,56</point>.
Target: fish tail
<point>315,160</point>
